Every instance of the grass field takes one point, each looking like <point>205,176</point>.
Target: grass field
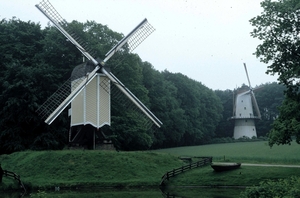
<point>254,152</point>
<point>251,152</point>
<point>79,168</point>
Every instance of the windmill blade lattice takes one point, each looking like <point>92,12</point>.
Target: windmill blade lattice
<point>252,94</point>
<point>56,99</point>
<point>133,39</point>
<point>255,105</point>
<point>61,24</point>
<point>121,101</point>
<point>140,35</point>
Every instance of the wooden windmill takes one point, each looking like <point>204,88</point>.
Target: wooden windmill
<point>89,88</point>
<point>243,111</point>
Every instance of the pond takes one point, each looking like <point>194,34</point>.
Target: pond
<point>187,192</point>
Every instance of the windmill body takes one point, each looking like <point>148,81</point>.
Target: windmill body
<point>243,112</point>
<point>92,104</point>
<point>244,118</point>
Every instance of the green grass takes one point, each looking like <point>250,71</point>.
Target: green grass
<point>77,168</point>
<point>103,193</point>
<point>46,169</point>
<point>88,193</point>
<point>254,152</point>
<point>244,176</point>
<point>244,152</point>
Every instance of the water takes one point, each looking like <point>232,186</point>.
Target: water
<point>187,192</point>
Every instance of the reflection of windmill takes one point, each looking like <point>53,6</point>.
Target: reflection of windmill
<point>243,113</point>
<point>91,83</point>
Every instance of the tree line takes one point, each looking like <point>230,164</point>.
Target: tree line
<point>277,27</point>
<point>35,62</point>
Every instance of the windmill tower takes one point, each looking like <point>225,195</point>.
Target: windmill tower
<point>89,88</point>
<point>243,114</point>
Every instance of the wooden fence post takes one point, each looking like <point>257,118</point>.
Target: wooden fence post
<point>174,172</point>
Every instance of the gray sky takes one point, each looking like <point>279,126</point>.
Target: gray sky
<point>205,40</point>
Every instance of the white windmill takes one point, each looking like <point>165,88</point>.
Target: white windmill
<point>243,114</point>
<point>89,88</point>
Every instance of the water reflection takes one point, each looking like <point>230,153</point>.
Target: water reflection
<point>187,192</point>
<point>191,192</point>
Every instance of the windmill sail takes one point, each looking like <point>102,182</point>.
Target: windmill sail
<point>255,105</point>
<point>247,76</point>
<point>62,98</point>
<point>58,101</point>
<point>252,94</point>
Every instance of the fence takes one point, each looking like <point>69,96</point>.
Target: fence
<point>204,161</point>
<point>15,177</point>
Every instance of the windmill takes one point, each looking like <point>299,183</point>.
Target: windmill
<point>243,114</point>
<point>90,86</point>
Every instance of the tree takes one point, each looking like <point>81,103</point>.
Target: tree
<point>128,123</point>
<point>269,97</point>
<point>202,108</point>
<point>166,107</point>
<point>280,188</point>
<point>24,78</point>
<point>35,62</point>
<point>225,126</point>
<point>287,124</point>
<point>278,28</point>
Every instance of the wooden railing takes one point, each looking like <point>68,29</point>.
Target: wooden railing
<point>15,177</point>
<point>204,161</point>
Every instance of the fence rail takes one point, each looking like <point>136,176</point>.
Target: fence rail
<point>15,177</point>
<point>204,161</point>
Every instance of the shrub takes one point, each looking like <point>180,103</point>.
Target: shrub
<point>270,189</point>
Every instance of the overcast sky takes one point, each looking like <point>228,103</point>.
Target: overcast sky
<point>205,40</point>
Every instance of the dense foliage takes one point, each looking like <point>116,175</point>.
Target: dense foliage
<point>35,62</point>
<point>225,126</point>
<point>269,97</point>
<point>270,189</point>
<point>278,28</point>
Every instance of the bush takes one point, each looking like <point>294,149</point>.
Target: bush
<point>232,140</point>
<point>270,189</point>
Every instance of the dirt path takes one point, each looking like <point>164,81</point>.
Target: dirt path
<point>272,165</point>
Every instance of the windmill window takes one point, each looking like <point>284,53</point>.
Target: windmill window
<point>240,114</point>
<point>245,108</point>
<point>242,100</point>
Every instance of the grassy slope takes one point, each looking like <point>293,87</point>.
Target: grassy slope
<point>108,168</point>
<point>252,152</point>
<point>89,168</point>
<point>244,176</point>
